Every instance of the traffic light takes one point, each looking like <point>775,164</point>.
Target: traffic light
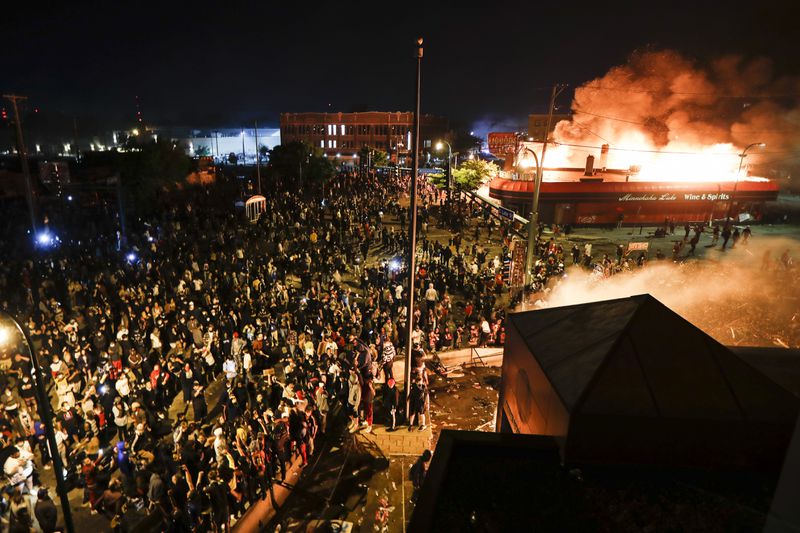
<point>5,114</point>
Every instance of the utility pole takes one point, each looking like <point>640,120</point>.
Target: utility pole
<point>412,230</point>
<point>258,159</point>
<point>533,224</point>
<point>23,156</point>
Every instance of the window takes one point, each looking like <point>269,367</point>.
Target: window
<point>334,143</point>
<point>426,143</point>
<point>351,130</point>
<point>341,129</point>
<point>322,144</point>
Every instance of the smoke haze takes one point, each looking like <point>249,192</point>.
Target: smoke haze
<point>733,299</point>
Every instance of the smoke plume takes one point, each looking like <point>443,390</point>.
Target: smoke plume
<point>663,101</point>
<point>745,297</point>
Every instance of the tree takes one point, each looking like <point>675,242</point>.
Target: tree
<point>233,158</point>
<point>149,167</point>
<point>438,178</point>
<point>291,159</point>
<point>373,156</point>
<point>472,173</point>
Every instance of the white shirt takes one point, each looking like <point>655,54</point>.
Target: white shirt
<point>123,387</point>
<point>229,367</point>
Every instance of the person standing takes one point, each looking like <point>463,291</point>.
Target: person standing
<point>390,401</point>
<point>353,399</point>
<point>746,235</point>
<point>726,235</point>
<point>321,399</point>
<point>418,471</point>
<point>367,397</point>
<point>46,512</point>
<point>416,404</point>
<point>199,402</point>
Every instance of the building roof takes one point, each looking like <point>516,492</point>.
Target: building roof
<point>781,365</point>
<point>510,482</point>
<point>636,357</point>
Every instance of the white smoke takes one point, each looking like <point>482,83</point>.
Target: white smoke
<point>746,297</point>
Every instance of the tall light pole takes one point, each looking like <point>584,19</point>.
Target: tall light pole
<point>738,172</point>
<point>412,229</point>
<point>8,326</point>
<point>533,224</point>
<point>23,156</point>
<point>449,166</point>
<point>242,135</point>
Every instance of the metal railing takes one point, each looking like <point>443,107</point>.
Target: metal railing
<point>478,358</point>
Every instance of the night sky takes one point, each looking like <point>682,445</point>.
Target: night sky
<point>201,64</point>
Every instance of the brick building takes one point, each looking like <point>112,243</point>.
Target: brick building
<point>344,134</point>
<point>537,124</point>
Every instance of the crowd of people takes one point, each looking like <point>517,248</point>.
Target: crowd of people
<point>192,360</point>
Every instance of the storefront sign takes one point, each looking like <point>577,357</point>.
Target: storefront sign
<point>707,197</point>
<point>665,197</point>
<point>633,246</point>
<point>670,197</point>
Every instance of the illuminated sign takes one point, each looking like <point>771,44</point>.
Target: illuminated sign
<point>670,197</point>
<point>665,197</point>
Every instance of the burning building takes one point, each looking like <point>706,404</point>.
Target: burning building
<point>597,196</point>
<point>661,137</point>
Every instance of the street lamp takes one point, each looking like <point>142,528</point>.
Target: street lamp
<point>533,223</point>
<point>736,183</point>
<point>439,147</point>
<point>14,336</point>
<point>242,135</point>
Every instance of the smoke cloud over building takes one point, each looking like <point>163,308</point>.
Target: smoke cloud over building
<point>699,117</point>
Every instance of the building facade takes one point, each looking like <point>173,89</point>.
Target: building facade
<point>221,142</point>
<point>568,197</point>
<point>344,134</point>
<point>537,124</point>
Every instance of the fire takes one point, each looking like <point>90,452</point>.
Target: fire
<point>680,163</point>
<point>667,119</point>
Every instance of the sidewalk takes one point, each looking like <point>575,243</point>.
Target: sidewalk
<point>491,356</point>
